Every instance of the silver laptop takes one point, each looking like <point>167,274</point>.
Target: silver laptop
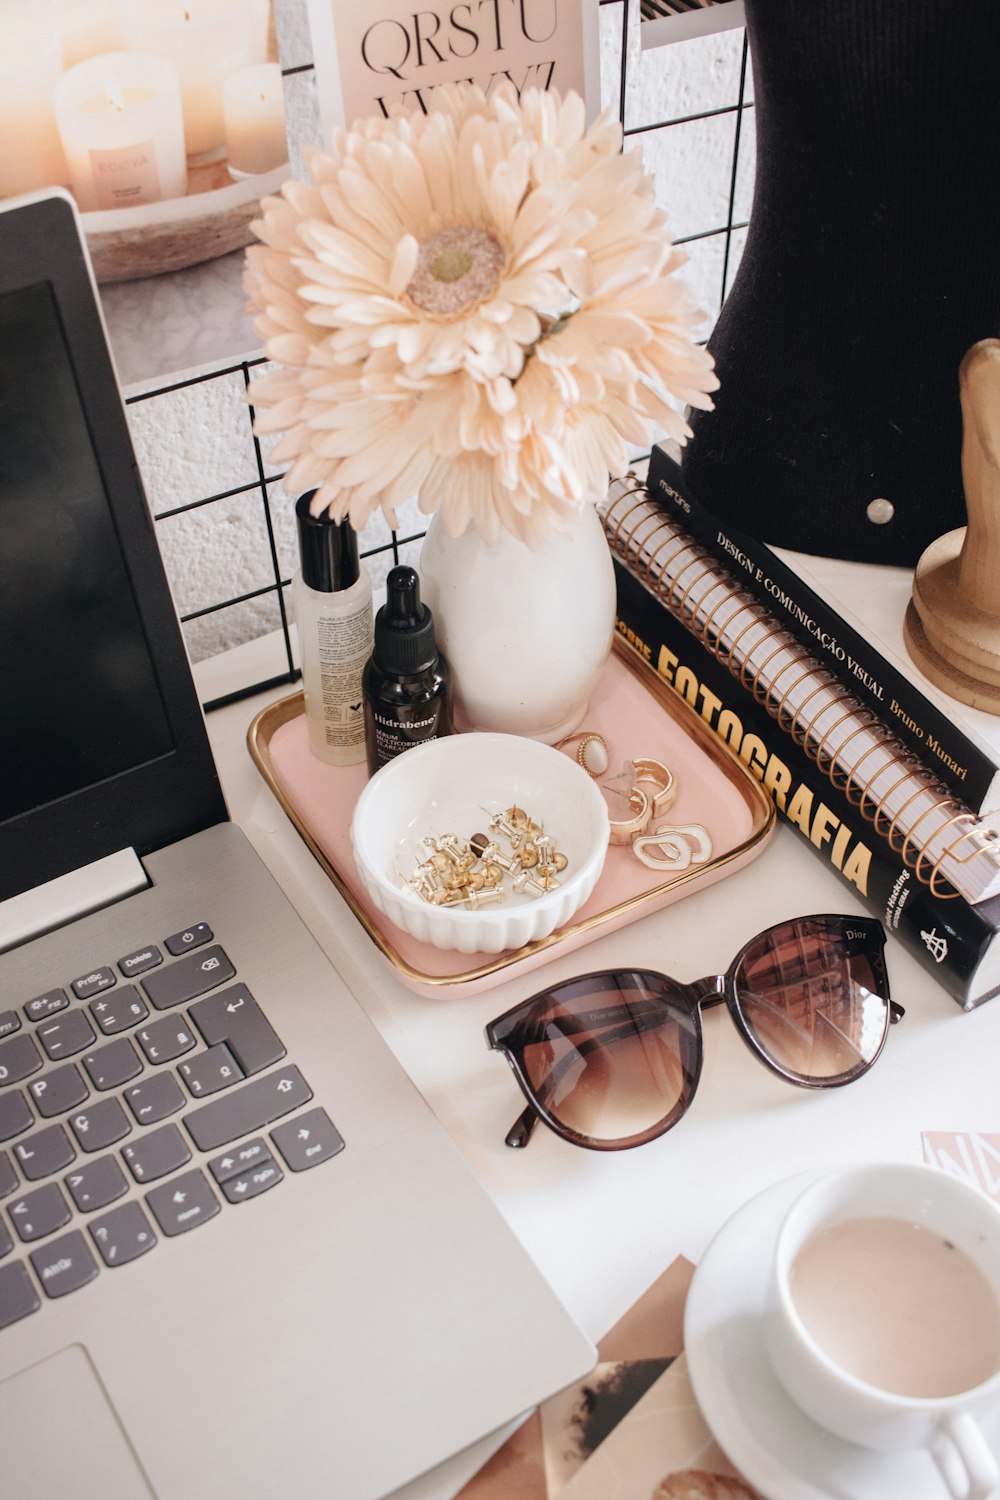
<point>238,1255</point>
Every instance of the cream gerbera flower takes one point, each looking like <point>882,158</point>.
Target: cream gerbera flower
<point>476,306</point>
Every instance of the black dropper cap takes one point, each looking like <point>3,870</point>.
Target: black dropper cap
<point>328,549</point>
<point>404,628</point>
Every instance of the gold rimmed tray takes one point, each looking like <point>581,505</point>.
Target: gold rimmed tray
<point>639,717</point>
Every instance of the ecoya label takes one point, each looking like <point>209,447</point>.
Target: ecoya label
<point>125,175</point>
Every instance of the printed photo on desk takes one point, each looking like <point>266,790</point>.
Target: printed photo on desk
<point>631,1428</point>
<point>372,58</point>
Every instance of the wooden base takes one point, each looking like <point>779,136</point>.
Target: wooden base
<point>951,679</point>
<point>952,625</point>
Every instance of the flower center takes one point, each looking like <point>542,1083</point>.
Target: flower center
<point>457,269</point>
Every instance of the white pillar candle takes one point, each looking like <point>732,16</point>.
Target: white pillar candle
<point>86,28</point>
<point>253,102</point>
<point>122,130</point>
<point>30,63</point>
<point>207,41</point>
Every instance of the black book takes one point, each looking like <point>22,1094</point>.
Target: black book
<point>955,939</point>
<point>966,765</point>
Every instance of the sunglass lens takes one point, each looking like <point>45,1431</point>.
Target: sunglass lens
<point>613,1058</point>
<point>812,995</point>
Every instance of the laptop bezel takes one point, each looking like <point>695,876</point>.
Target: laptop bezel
<point>149,805</point>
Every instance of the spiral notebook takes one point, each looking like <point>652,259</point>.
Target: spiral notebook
<point>947,845</point>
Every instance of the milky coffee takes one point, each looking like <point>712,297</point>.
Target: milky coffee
<point>897,1305</point>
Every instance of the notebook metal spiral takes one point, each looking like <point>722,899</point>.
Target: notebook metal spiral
<point>947,846</point>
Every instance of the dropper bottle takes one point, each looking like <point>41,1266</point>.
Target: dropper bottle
<point>406,682</point>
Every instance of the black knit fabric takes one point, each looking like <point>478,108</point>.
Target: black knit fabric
<point>872,264</point>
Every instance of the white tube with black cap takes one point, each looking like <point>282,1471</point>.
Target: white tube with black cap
<point>332,597</point>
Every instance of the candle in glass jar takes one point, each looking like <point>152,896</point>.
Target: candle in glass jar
<point>30,63</point>
<point>86,28</point>
<point>207,41</point>
<point>122,130</point>
<point>254,108</point>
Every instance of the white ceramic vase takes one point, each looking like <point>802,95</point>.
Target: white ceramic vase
<point>527,631</point>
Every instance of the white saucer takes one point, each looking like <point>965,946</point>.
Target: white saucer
<point>756,1423</point>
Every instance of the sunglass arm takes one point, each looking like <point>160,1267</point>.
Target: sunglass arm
<point>519,1133</point>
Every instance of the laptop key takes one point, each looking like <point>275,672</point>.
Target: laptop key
<point>38,1213</point>
<point>183,1203</point>
<point>192,937</point>
<point>242,1110</point>
<point>155,1098</point>
<point>15,1115</point>
<point>138,962</point>
<point>46,1152</point>
<point>234,1017</point>
<point>111,1066</point>
<point>165,1039</point>
<point>96,1183</point>
<point>92,984</point>
<point>8,1177</point>
<point>251,1184</point>
<point>64,1265</point>
<point>100,1125</point>
<point>156,1154</point>
<point>70,1034</point>
<point>123,1234</point>
<point>210,1071</point>
<point>120,1011</point>
<point>59,1091</point>
<point>188,978</point>
<point>19,1057</point>
<point>6,1243</point>
<point>18,1297</point>
<point>239,1159</point>
<point>46,1005</point>
<point>307,1140</point>
<point>10,1022</point>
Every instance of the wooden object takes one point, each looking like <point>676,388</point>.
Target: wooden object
<point>952,624</point>
<point>213,219</point>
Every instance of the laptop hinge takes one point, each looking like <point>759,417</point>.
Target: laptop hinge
<point>86,889</point>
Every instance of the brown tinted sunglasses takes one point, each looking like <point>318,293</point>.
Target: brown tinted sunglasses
<point>612,1059</point>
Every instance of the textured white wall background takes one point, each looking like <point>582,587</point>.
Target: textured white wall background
<point>195,442</point>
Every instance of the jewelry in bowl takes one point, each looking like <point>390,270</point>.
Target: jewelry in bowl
<point>450,791</point>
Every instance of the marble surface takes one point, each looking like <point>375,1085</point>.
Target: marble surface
<point>163,327</point>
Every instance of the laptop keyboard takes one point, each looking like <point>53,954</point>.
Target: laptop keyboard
<point>106,1085</point>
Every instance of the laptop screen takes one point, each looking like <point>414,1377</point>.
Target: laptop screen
<point>102,743</point>
<point>74,651</point>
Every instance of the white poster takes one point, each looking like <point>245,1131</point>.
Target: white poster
<point>371,57</point>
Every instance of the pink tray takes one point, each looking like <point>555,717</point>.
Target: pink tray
<point>639,716</point>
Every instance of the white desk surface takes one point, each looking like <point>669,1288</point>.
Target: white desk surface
<point>602,1226</point>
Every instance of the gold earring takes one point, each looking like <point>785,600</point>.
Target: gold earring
<point>625,830</point>
<point>679,845</point>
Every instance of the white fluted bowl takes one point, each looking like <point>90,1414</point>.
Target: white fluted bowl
<point>451,786</point>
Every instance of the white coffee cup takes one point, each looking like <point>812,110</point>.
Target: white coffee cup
<point>899,1223</point>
